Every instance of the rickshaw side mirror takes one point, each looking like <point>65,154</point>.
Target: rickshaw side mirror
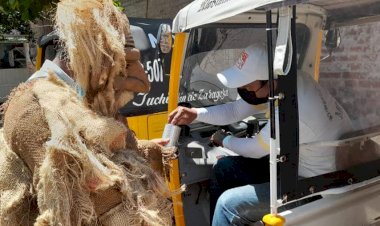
<point>332,39</point>
<point>164,38</point>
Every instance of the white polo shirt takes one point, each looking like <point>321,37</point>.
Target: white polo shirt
<point>51,66</point>
<point>321,118</point>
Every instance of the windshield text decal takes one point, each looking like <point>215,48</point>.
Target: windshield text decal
<point>200,95</point>
<point>208,4</point>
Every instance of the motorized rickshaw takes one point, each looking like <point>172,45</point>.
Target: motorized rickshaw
<point>209,37</point>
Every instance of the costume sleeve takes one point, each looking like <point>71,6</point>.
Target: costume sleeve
<point>225,114</point>
<point>252,147</point>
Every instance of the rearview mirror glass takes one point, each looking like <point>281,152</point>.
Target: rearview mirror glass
<point>332,39</point>
<point>164,38</point>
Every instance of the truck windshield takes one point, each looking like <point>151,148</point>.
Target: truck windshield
<point>214,49</point>
<point>211,51</point>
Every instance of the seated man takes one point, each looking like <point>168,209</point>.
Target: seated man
<point>320,118</point>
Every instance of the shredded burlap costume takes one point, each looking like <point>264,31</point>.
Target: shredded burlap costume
<point>66,160</point>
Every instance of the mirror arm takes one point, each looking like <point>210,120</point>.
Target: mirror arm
<point>328,56</point>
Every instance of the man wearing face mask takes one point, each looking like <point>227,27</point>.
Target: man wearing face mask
<point>320,118</point>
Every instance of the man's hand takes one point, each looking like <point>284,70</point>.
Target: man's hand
<point>218,137</point>
<point>160,141</point>
<point>182,116</point>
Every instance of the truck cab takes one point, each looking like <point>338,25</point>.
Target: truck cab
<point>15,62</point>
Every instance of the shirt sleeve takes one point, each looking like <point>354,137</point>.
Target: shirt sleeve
<point>252,147</point>
<point>232,112</point>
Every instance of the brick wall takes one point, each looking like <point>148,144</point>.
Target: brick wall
<point>153,8</point>
<point>352,74</point>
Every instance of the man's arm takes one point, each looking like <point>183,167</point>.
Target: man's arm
<point>228,113</point>
<point>252,147</point>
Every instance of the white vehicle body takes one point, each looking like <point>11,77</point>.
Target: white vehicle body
<point>15,61</point>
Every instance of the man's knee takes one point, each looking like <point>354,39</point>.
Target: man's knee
<point>229,206</point>
<point>244,205</point>
<point>227,200</point>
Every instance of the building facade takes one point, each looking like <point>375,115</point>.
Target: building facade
<point>162,9</point>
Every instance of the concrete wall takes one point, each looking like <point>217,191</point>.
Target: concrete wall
<point>153,8</point>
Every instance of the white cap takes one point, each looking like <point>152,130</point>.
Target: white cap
<point>252,65</point>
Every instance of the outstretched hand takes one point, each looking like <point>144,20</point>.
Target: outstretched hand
<point>160,141</point>
<point>182,116</point>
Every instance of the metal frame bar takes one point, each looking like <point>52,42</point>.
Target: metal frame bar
<point>273,151</point>
<point>291,187</point>
<point>289,125</point>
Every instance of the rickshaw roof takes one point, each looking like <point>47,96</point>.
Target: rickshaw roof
<point>339,12</point>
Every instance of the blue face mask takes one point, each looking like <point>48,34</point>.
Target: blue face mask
<point>250,96</point>
<point>80,91</point>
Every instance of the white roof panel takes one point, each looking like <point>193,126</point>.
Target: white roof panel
<point>200,12</point>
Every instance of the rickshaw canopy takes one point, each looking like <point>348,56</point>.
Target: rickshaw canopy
<point>202,12</point>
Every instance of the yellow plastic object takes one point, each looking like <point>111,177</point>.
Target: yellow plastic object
<point>139,124</point>
<point>39,58</point>
<point>273,220</point>
<point>174,184</point>
<point>176,69</point>
<point>318,56</point>
<point>156,124</point>
<point>148,127</point>
<point>175,72</point>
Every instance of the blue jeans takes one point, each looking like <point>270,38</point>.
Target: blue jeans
<point>242,205</point>
<point>234,171</point>
<point>247,204</point>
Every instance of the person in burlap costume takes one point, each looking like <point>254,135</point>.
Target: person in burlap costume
<point>65,158</point>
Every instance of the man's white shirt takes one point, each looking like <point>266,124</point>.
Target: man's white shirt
<point>321,118</point>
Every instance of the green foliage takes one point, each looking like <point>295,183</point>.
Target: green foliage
<point>15,14</point>
<point>12,20</point>
<point>118,5</point>
<point>29,9</point>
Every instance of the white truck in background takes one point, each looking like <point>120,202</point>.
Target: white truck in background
<point>15,63</point>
